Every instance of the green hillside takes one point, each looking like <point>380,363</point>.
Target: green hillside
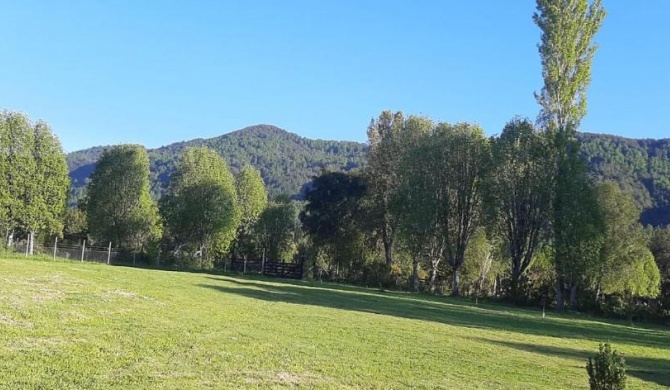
<point>73,325</point>
<point>640,166</point>
<point>287,162</point>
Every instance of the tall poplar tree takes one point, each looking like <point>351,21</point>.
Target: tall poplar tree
<point>416,201</point>
<point>518,194</point>
<point>252,199</point>
<point>566,52</point>
<point>34,168</point>
<point>463,154</point>
<point>382,173</point>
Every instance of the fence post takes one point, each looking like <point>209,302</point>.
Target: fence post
<point>27,244</point>
<point>83,250</point>
<point>109,252</point>
<point>55,247</point>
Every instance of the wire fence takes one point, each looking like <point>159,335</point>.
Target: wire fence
<point>82,253</point>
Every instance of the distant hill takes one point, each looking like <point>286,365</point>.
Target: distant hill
<point>640,166</point>
<point>288,162</point>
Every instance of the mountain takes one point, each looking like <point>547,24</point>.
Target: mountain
<point>640,166</point>
<point>288,162</point>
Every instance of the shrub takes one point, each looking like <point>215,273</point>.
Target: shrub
<point>607,370</point>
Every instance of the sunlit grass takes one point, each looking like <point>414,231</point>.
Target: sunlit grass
<point>73,325</point>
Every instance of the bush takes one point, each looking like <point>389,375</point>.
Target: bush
<point>607,370</point>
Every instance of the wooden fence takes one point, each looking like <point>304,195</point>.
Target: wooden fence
<point>270,268</point>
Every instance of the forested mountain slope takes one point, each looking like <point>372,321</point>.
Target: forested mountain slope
<point>287,162</point>
<point>640,166</point>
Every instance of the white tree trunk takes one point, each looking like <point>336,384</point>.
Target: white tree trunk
<point>31,244</point>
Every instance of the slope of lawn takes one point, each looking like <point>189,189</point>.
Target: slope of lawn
<point>72,325</point>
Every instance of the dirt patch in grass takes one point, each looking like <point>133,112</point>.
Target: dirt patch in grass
<point>9,321</point>
<point>284,378</point>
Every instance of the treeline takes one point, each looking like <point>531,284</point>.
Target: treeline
<point>207,217</point>
<point>444,209</point>
<point>33,180</point>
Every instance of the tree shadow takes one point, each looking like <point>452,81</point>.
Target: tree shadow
<point>442,310</point>
<point>647,369</point>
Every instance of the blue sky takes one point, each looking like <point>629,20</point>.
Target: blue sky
<point>155,72</point>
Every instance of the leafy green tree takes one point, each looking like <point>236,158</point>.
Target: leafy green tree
<point>461,162</point>
<point>75,226</point>
<point>253,199</point>
<point>637,277</point>
<point>333,213</point>
<point>18,140</point>
<point>566,52</point>
<point>624,236</point>
<point>414,201</point>
<point>518,195</point>
<point>119,207</point>
<point>660,247</point>
<point>578,234</point>
<point>382,177</point>
<point>34,168</point>
<point>478,261</point>
<point>277,228</point>
<point>201,207</point>
<point>51,184</point>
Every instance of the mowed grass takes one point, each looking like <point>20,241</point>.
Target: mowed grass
<point>70,325</point>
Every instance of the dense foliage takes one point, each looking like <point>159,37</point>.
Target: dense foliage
<point>33,175</point>
<point>119,208</point>
<point>201,206</point>
<point>607,369</point>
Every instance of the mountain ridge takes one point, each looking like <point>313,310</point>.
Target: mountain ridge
<point>288,161</point>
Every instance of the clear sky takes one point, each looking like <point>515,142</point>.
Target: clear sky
<point>155,72</point>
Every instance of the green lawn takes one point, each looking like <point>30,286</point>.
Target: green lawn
<point>71,325</point>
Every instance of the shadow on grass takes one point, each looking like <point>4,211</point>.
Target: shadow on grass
<point>455,312</point>
<point>647,369</point>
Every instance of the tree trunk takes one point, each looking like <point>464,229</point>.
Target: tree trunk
<point>388,246</point>
<point>415,274</point>
<point>10,239</point>
<point>31,239</point>
<point>515,284</point>
<point>454,283</point>
<point>573,296</point>
<point>560,299</point>
<point>433,276</point>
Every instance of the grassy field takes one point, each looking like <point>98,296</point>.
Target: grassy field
<point>70,325</point>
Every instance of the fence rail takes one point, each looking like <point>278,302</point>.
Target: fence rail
<point>78,253</point>
<point>84,253</point>
<point>269,268</point>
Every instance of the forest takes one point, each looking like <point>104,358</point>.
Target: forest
<point>537,214</point>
